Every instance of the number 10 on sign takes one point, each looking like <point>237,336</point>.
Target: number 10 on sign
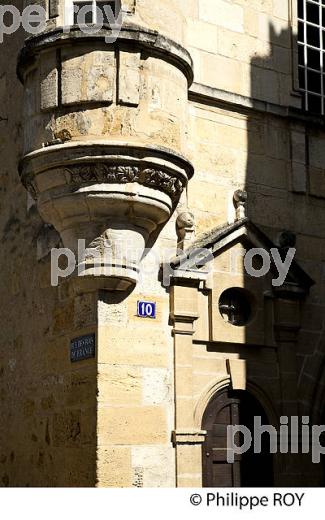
<point>147,310</point>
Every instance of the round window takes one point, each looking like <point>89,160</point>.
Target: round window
<point>235,306</point>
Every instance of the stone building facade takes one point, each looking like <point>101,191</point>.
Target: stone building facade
<point>190,131</point>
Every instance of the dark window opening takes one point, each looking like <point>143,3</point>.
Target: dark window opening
<point>85,16</point>
<point>311,55</point>
<point>235,306</point>
<point>103,6</point>
<point>313,13</point>
<point>94,12</point>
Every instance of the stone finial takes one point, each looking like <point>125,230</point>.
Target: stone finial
<point>287,239</point>
<point>185,225</point>
<point>240,200</point>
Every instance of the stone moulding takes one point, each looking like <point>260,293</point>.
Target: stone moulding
<point>112,196</point>
<point>101,172</point>
<point>92,163</point>
<point>150,177</point>
<point>141,39</point>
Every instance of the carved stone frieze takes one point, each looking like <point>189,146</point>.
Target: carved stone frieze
<point>104,173</point>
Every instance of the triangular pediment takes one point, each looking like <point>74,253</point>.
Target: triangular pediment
<point>243,231</point>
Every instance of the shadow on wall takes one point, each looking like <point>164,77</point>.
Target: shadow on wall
<point>278,201</point>
<point>48,407</point>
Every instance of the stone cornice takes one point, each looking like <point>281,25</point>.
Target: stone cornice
<point>100,172</point>
<point>141,39</point>
<point>211,96</point>
<point>109,163</point>
<point>61,153</point>
<point>298,282</point>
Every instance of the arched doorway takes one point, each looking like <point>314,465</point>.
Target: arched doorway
<point>248,470</point>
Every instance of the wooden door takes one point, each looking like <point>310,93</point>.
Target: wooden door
<point>250,469</point>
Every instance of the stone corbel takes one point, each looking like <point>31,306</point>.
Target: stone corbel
<point>185,226</point>
<point>240,202</point>
<point>113,197</point>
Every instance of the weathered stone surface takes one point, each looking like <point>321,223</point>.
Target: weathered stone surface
<point>120,384</point>
<point>114,466</point>
<point>49,81</point>
<point>129,78</point>
<point>154,464</point>
<point>156,386</point>
<point>132,425</point>
<point>130,348</point>
<point>89,77</point>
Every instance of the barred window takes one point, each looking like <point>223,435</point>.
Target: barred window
<point>311,47</point>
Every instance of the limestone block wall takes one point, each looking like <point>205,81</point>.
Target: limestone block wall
<point>244,40</point>
<point>135,394</point>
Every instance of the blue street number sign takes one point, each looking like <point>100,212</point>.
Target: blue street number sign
<point>147,310</point>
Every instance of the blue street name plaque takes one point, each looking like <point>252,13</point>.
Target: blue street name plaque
<point>83,347</point>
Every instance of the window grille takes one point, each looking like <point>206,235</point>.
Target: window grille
<point>311,45</point>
